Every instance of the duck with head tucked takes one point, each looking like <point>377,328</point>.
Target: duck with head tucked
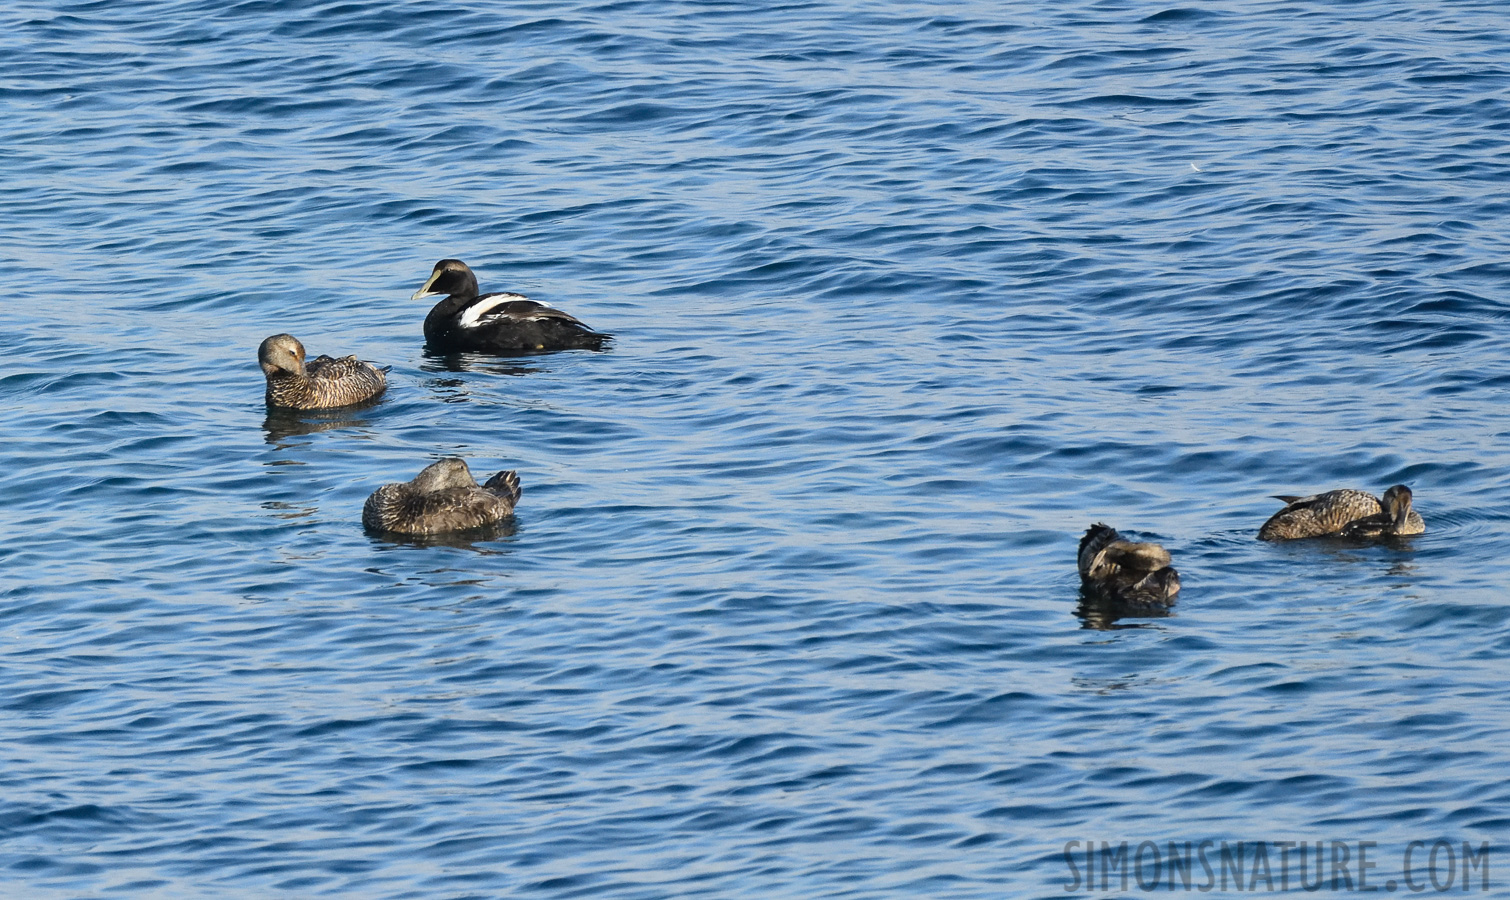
<point>1346,512</point>
<point>442,498</point>
<point>503,324</point>
<point>322,383</point>
<point>1129,573</point>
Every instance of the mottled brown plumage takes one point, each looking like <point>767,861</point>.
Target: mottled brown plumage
<point>324,383</point>
<point>1126,572</point>
<point>1397,519</point>
<point>1334,512</point>
<point>444,497</point>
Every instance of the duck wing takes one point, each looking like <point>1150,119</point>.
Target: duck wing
<point>1382,525</point>
<point>339,382</point>
<point>401,509</point>
<point>1136,556</point>
<point>1318,514</point>
<point>346,366</point>
<point>510,308</point>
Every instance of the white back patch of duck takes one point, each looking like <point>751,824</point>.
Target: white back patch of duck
<point>472,316</point>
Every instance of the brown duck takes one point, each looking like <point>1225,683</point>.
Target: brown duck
<point>1349,513</point>
<point>323,383</point>
<point>1126,572</point>
<point>444,497</point>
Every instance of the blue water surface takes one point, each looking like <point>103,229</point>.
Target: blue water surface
<point>905,296</point>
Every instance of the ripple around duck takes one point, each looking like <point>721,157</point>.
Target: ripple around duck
<point>902,303</point>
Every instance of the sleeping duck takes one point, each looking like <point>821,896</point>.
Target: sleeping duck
<point>443,497</point>
<point>1355,514</point>
<point>323,383</point>
<point>503,324</point>
<point>1126,572</point>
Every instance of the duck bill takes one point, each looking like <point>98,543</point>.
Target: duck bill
<point>424,290</point>
<point>1402,513</point>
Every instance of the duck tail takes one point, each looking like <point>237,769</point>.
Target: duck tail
<point>505,485</point>
<point>1092,543</point>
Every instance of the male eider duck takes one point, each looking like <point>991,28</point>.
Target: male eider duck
<point>1349,513</point>
<point>442,498</point>
<point>1126,572</point>
<point>503,324</point>
<point>323,383</point>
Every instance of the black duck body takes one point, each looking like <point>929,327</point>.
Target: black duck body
<point>503,324</point>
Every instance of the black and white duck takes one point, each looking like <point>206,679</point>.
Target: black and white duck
<point>442,498</point>
<point>503,324</point>
<point>322,383</point>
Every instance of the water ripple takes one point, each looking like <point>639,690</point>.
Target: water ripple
<point>903,298</point>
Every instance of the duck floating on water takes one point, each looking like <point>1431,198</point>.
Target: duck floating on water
<point>1397,520</point>
<point>323,383</point>
<point>442,498</point>
<point>503,324</point>
<point>1127,573</point>
<point>1346,512</point>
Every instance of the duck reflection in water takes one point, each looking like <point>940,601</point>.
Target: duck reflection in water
<point>474,362</point>
<point>477,540</point>
<point>1098,613</point>
<point>282,424</point>
<point>1123,579</point>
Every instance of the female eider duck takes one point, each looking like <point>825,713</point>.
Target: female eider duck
<point>1126,572</point>
<point>442,498</point>
<point>323,383</point>
<point>503,324</point>
<point>1349,513</point>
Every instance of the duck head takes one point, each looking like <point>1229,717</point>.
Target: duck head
<point>1397,504</point>
<point>450,277</point>
<point>443,474</point>
<point>281,353</point>
<point>1165,582</point>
